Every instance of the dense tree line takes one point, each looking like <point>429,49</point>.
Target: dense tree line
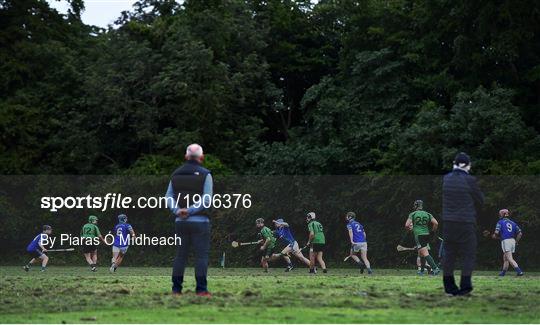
<point>272,87</point>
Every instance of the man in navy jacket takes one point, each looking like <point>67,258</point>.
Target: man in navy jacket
<point>461,199</point>
<point>189,198</point>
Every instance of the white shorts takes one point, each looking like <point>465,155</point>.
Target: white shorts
<point>508,245</point>
<point>293,247</point>
<point>359,247</point>
<point>122,250</point>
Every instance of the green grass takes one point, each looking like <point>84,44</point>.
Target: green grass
<point>75,295</point>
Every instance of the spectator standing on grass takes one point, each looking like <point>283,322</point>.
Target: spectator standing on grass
<point>192,185</point>
<point>461,198</point>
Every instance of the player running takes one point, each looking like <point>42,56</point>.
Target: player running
<point>316,243</point>
<point>268,244</point>
<point>357,237</point>
<point>122,233</point>
<point>422,264</point>
<point>418,221</point>
<point>91,236</point>
<point>37,249</point>
<point>509,233</point>
<point>283,232</point>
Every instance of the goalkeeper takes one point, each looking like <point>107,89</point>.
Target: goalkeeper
<point>419,221</point>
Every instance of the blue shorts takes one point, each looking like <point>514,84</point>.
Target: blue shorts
<point>36,253</point>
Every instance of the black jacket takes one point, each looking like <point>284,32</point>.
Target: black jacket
<point>188,185</point>
<point>461,197</point>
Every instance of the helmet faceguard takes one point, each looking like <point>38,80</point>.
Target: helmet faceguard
<point>259,222</point>
<point>122,218</point>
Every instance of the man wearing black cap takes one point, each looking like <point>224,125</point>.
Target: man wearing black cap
<point>461,198</point>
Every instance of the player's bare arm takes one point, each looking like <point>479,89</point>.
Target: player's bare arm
<point>434,224</point>
<point>266,243</point>
<point>409,224</point>
<point>351,237</point>
<point>310,238</point>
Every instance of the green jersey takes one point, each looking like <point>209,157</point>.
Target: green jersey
<point>317,229</point>
<point>266,233</point>
<point>90,230</point>
<point>420,220</point>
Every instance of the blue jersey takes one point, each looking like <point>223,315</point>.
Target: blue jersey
<point>284,233</point>
<point>34,244</point>
<point>122,233</point>
<point>357,231</point>
<point>507,229</point>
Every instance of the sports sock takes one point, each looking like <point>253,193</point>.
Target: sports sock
<point>518,270</point>
<point>422,264</point>
<point>431,262</point>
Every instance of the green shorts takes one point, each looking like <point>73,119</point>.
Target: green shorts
<point>269,251</point>
<point>317,247</point>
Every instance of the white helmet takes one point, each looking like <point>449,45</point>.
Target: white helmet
<point>310,216</point>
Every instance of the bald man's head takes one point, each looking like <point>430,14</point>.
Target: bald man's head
<point>194,152</point>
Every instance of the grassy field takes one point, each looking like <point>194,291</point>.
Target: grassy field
<point>75,295</point>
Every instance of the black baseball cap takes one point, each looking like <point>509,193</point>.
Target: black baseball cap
<point>462,159</point>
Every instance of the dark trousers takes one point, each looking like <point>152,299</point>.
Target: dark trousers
<point>459,242</point>
<point>195,236</point>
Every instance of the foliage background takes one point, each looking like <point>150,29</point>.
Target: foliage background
<point>275,87</point>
